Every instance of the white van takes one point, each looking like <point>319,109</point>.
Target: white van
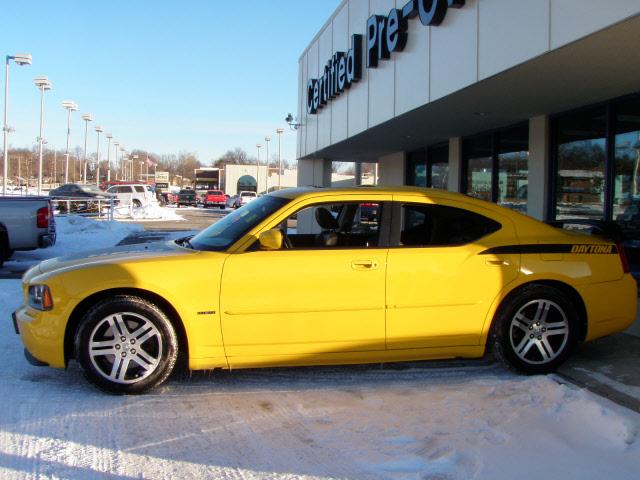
<point>137,195</point>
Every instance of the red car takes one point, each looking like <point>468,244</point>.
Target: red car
<point>214,198</point>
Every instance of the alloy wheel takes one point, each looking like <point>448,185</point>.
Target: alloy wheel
<point>539,331</point>
<point>125,347</point>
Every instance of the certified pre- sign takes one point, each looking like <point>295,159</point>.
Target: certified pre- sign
<point>384,36</point>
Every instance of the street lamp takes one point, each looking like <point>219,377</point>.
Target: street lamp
<point>109,137</point>
<point>115,160</point>
<point>43,84</point>
<point>20,59</point>
<point>258,146</point>
<point>279,131</point>
<point>266,162</point>
<point>99,130</point>
<point>71,107</point>
<point>122,165</point>
<point>87,118</point>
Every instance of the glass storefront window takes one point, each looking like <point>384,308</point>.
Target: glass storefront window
<point>416,169</point>
<point>479,167</point>
<point>581,153</point>
<point>626,186</point>
<point>513,164</point>
<point>438,164</point>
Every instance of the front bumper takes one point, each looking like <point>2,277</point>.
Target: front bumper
<point>43,338</point>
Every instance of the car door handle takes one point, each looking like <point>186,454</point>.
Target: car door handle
<point>497,262</point>
<point>364,264</point>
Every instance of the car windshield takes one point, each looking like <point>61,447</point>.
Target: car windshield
<point>225,232</point>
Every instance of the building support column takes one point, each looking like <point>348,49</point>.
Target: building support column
<point>392,169</point>
<point>357,180</point>
<point>314,172</point>
<point>539,163</point>
<point>454,179</point>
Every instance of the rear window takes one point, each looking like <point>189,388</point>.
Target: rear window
<point>214,192</point>
<point>248,194</point>
<point>187,191</point>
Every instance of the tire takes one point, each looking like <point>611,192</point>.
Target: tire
<point>136,203</point>
<point>536,329</point>
<point>145,357</point>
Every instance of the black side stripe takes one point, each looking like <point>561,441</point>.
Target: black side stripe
<point>552,248</point>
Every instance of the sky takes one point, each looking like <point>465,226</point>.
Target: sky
<point>163,76</point>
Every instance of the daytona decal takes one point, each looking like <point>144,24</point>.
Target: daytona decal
<point>552,248</point>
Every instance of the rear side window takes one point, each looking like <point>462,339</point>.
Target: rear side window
<point>139,188</point>
<point>438,225</point>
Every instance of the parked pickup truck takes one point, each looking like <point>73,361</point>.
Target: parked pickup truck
<point>186,196</point>
<point>26,223</point>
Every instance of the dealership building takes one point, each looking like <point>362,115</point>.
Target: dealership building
<point>532,104</point>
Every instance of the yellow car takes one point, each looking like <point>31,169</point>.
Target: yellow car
<point>330,276</point>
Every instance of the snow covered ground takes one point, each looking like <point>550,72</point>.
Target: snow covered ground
<point>459,420</point>
<point>76,234</point>
<point>147,212</point>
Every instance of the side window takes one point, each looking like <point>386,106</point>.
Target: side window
<point>333,225</point>
<point>438,225</point>
<point>139,188</point>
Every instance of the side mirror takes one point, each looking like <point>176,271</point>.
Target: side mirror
<point>270,240</point>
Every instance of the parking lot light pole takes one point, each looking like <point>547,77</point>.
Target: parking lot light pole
<point>115,159</point>
<point>19,59</point>
<point>122,163</point>
<point>279,131</point>
<point>109,137</point>
<point>43,84</point>
<point>258,147</point>
<point>266,142</point>
<point>70,106</point>
<point>87,118</point>
<point>99,130</point>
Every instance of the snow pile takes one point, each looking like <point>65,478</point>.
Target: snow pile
<point>77,234</point>
<point>460,422</point>
<point>148,212</point>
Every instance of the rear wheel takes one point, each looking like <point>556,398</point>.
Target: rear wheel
<point>536,329</point>
<point>126,344</point>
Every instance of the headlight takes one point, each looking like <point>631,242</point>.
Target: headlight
<point>40,297</point>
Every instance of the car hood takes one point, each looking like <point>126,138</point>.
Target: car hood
<point>117,254</point>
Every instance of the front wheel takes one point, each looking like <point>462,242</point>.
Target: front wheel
<point>126,344</point>
<point>535,330</point>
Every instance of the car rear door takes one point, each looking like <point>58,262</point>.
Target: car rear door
<point>310,299</point>
<point>440,286</point>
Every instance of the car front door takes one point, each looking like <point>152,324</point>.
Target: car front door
<point>322,294</point>
<point>439,285</point>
